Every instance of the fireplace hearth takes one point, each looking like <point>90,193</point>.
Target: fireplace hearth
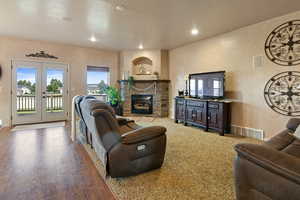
<point>142,104</point>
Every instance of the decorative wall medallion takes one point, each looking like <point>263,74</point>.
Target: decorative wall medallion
<point>282,93</point>
<point>41,54</point>
<point>283,44</point>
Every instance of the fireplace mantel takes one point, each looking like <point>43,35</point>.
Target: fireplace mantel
<point>145,81</point>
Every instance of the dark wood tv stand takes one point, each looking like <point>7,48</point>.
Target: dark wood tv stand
<point>208,114</point>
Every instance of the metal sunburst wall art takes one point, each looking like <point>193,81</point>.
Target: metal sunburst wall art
<point>283,44</point>
<point>282,93</point>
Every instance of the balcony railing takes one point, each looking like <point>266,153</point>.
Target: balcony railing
<point>27,103</point>
<point>101,97</point>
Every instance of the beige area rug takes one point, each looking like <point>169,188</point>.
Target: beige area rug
<point>198,165</point>
<point>38,126</point>
<point>144,119</point>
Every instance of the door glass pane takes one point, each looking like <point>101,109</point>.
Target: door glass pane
<point>54,90</point>
<point>26,90</point>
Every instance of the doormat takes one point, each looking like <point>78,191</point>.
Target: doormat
<point>38,126</point>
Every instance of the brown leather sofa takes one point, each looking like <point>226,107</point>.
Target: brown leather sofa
<point>271,170</point>
<point>124,147</point>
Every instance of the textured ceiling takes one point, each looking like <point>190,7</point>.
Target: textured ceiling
<point>159,24</point>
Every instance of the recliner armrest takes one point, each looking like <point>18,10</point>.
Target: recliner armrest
<point>143,134</point>
<point>272,160</point>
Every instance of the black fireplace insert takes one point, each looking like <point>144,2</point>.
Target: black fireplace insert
<point>142,104</point>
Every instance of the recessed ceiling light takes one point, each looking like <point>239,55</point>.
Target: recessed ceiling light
<point>93,39</point>
<point>194,31</point>
<point>120,8</point>
<point>141,46</point>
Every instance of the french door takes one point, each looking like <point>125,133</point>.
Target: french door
<point>39,92</point>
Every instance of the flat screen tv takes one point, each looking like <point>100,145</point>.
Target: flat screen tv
<point>207,85</point>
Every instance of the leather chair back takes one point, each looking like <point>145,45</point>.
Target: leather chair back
<point>101,120</point>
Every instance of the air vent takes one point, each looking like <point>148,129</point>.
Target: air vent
<point>247,132</point>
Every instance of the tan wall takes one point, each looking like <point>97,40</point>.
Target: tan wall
<point>158,57</point>
<point>234,52</point>
<point>77,57</point>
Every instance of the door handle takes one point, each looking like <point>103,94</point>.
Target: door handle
<point>44,97</point>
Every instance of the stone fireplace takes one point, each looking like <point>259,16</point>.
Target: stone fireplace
<point>149,70</point>
<point>138,97</point>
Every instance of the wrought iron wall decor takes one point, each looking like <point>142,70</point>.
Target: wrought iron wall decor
<point>282,93</point>
<point>283,44</point>
<point>41,54</point>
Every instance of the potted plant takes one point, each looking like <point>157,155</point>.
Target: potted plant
<point>114,96</point>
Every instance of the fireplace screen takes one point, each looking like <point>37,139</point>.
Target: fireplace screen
<point>142,104</point>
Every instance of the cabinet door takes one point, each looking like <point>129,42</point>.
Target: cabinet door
<point>200,115</point>
<point>190,113</point>
<point>215,115</point>
<point>180,110</point>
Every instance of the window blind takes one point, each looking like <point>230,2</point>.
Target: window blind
<point>97,69</point>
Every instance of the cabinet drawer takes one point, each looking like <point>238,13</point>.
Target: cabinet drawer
<point>213,105</point>
<point>180,101</point>
<point>196,104</point>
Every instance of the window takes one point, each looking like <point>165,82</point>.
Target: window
<point>97,80</point>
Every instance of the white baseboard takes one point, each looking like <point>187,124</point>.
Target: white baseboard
<point>248,132</point>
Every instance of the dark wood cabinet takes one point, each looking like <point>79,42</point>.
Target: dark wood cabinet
<point>210,115</point>
<point>180,109</point>
<point>196,112</point>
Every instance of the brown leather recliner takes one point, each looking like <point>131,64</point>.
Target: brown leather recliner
<point>271,170</point>
<point>124,147</point>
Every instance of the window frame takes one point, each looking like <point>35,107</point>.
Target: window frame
<point>96,68</point>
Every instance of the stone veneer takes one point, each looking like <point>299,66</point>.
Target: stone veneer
<point>160,96</point>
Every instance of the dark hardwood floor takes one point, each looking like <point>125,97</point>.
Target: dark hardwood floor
<point>45,164</point>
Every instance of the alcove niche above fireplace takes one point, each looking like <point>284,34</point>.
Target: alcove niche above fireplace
<point>143,69</point>
<point>139,97</point>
